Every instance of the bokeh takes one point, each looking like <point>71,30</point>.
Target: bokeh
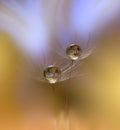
<point>93,97</point>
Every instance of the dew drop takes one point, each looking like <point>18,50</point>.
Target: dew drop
<point>73,51</point>
<point>52,74</point>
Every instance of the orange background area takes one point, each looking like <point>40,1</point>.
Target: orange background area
<point>99,88</point>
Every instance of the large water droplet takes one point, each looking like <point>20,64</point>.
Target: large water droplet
<point>73,51</point>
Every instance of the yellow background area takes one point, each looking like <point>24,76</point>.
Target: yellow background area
<point>8,58</point>
<point>8,76</point>
<point>102,83</point>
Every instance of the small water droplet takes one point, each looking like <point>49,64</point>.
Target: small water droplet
<point>52,74</point>
<point>73,51</point>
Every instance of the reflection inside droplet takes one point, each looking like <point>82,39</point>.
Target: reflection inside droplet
<point>52,74</point>
<point>73,51</point>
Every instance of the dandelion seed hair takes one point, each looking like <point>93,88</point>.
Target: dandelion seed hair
<point>32,26</point>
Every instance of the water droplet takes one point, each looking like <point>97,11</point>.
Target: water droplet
<point>52,74</point>
<point>73,51</point>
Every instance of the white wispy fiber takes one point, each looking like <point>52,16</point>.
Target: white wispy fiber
<point>69,31</point>
<point>82,22</point>
<point>23,21</point>
<point>34,23</point>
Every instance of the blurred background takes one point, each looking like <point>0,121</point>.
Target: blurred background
<point>94,97</point>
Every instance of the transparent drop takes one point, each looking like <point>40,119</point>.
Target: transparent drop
<point>52,74</point>
<point>73,51</point>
